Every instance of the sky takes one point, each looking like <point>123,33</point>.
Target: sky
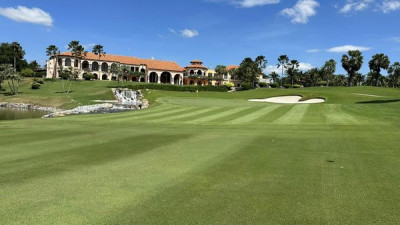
<point>214,31</point>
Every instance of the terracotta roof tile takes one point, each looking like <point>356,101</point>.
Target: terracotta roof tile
<point>231,67</point>
<point>130,60</point>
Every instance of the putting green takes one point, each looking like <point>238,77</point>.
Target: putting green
<point>209,158</point>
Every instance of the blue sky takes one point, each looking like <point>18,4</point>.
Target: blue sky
<point>215,31</point>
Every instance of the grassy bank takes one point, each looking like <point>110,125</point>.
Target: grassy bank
<point>208,158</point>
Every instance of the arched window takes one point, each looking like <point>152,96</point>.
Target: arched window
<point>76,63</point>
<point>199,72</point>
<point>60,62</point>
<point>95,66</point>
<point>191,72</point>
<point>68,62</point>
<point>104,67</point>
<point>85,65</point>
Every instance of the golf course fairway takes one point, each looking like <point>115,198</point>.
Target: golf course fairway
<point>209,158</point>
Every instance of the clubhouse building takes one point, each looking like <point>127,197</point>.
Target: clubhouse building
<point>150,70</point>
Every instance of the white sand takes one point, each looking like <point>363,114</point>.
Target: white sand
<point>289,100</point>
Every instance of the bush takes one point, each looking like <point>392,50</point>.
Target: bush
<point>287,85</point>
<point>171,87</point>
<point>40,82</point>
<point>247,86</point>
<point>322,83</point>
<point>274,85</point>
<point>229,85</point>
<point>263,84</point>
<point>35,86</point>
<point>27,73</point>
<point>88,76</point>
<point>296,86</point>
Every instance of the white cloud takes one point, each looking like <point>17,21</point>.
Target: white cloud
<point>313,50</point>
<point>301,12</point>
<point>27,15</point>
<point>352,6</point>
<point>388,6</point>
<point>346,48</point>
<point>302,66</point>
<point>188,33</point>
<point>171,30</point>
<point>248,3</point>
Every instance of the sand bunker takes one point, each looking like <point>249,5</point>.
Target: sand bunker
<point>289,100</point>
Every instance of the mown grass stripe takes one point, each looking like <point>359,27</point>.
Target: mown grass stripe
<point>254,115</point>
<point>192,112</point>
<point>293,116</point>
<point>215,110</point>
<point>335,116</point>
<point>217,116</point>
<point>274,114</point>
<point>151,115</point>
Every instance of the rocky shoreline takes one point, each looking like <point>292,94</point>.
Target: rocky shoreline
<point>86,109</point>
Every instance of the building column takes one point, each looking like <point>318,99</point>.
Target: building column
<point>159,79</point>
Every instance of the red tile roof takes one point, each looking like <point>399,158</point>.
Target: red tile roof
<point>130,60</point>
<point>231,67</point>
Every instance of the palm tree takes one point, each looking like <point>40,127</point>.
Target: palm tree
<point>8,73</point>
<point>328,70</point>
<point>377,63</point>
<point>274,75</point>
<point>283,61</point>
<point>352,63</point>
<point>53,51</point>
<point>394,73</point>
<point>18,51</point>
<point>293,70</point>
<point>220,71</point>
<point>99,50</point>
<point>78,51</point>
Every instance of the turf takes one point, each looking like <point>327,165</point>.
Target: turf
<point>209,158</point>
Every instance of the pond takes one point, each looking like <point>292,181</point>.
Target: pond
<point>18,114</point>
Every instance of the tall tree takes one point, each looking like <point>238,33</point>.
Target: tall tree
<point>274,76</point>
<point>394,74</point>
<point>220,72</point>
<point>352,63</point>
<point>78,52</point>
<point>12,53</point>
<point>53,52</point>
<point>8,73</point>
<point>376,64</point>
<point>99,50</point>
<point>328,70</point>
<point>261,62</point>
<point>249,71</point>
<point>293,70</point>
<point>283,61</point>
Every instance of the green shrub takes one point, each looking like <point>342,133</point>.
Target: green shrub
<point>263,84</point>
<point>274,85</point>
<point>35,86</point>
<point>171,87</point>
<point>40,82</point>
<point>229,85</point>
<point>247,86</point>
<point>287,85</point>
<point>27,73</point>
<point>296,86</point>
<point>322,83</point>
<point>88,76</point>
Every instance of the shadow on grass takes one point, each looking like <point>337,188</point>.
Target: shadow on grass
<point>65,92</point>
<point>379,101</point>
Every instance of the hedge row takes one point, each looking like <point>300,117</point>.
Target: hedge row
<point>170,87</point>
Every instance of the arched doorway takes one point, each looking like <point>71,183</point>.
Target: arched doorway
<point>191,72</point>
<point>191,82</point>
<point>96,77</point>
<point>84,75</point>
<point>153,78</point>
<point>142,79</point>
<point>134,79</point>
<point>104,77</point>
<point>166,78</point>
<point>177,79</point>
<point>125,78</point>
<point>199,83</point>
